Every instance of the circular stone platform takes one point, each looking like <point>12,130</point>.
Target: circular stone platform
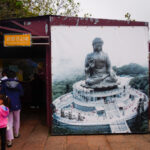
<point>88,94</point>
<point>85,109</point>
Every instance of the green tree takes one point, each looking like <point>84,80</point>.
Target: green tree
<point>140,83</point>
<point>26,8</point>
<point>13,9</point>
<point>131,69</point>
<point>52,7</point>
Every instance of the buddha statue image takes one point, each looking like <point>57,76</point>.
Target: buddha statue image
<point>100,103</point>
<point>98,68</point>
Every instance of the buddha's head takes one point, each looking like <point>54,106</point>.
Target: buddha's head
<point>97,44</point>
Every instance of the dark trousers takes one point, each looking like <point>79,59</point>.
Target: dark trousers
<point>3,138</point>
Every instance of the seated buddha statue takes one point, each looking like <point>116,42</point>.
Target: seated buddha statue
<point>98,67</point>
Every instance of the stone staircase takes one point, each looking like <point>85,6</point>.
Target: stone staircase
<point>113,113</point>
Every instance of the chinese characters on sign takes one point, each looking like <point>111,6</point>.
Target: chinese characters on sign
<point>17,40</point>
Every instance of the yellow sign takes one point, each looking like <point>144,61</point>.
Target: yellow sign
<point>17,40</point>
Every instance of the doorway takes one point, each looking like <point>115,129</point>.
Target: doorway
<point>29,63</point>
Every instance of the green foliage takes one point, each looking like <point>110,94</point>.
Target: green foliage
<point>131,69</point>
<point>140,83</point>
<point>19,4</point>
<point>13,9</point>
<point>140,74</point>
<point>128,17</point>
<point>141,123</point>
<point>52,7</point>
<point>65,86</point>
<point>26,8</point>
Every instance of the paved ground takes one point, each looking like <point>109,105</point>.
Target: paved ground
<point>35,136</point>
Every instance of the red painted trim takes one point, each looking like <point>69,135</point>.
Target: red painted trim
<point>48,80</point>
<point>38,26</point>
<point>12,29</point>
<point>63,20</point>
<point>26,28</point>
<point>48,85</point>
<point>75,21</point>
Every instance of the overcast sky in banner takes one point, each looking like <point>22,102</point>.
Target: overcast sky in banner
<point>116,9</point>
<point>71,44</point>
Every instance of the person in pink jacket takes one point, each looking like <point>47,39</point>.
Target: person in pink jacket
<point>4,111</point>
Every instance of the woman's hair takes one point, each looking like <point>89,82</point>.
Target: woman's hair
<point>6,100</point>
<point>11,74</point>
<point>5,72</point>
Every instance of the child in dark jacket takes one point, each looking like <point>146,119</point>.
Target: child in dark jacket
<point>4,111</point>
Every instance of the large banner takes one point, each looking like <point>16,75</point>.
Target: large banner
<point>99,79</point>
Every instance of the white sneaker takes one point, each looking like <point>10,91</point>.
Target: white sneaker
<point>9,143</point>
